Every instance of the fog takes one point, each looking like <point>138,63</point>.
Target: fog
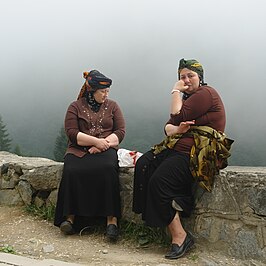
<point>46,45</point>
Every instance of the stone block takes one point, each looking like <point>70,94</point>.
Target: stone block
<point>10,179</point>
<point>126,176</point>
<point>10,197</point>
<point>25,191</point>
<point>245,245</point>
<point>44,178</point>
<point>52,199</point>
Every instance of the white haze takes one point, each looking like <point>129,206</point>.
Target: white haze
<point>46,45</point>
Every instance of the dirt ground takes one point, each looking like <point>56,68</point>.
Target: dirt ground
<point>35,238</point>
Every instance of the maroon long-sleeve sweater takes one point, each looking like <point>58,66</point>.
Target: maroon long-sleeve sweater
<point>206,108</point>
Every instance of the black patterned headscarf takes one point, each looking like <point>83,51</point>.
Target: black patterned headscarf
<point>193,65</point>
<point>94,81</point>
<point>98,81</point>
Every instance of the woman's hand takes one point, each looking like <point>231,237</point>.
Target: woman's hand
<point>182,128</point>
<point>179,86</point>
<point>94,150</point>
<point>185,126</point>
<point>112,140</point>
<point>102,144</point>
<point>176,99</point>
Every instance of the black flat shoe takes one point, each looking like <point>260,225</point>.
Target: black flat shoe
<point>66,227</point>
<point>112,232</point>
<point>178,251</point>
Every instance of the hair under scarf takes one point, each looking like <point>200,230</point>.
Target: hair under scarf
<point>95,80</point>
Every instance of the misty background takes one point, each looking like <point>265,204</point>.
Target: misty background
<point>46,45</point>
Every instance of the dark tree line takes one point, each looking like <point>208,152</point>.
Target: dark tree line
<point>60,145</point>
<point>5,140</point>
<point>243,153</point>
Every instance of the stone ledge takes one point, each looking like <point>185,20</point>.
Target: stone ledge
<point>233,214</point>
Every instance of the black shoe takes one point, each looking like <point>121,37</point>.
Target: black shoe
<point>112,232</point>
<point>66,227</point>
<point>178,251</point>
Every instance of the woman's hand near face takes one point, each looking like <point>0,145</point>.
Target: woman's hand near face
<point>176,98</point>
<point>180,85</point>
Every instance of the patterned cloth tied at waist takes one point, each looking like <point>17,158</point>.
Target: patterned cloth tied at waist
<point>208,154</point>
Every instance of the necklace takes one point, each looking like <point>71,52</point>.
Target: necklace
<point>95,119</point>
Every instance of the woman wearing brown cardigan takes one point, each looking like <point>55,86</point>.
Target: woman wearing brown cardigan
<point>89,187</point>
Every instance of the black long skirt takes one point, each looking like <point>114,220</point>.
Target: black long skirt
<point>160,180</point>
<point>89,187</point>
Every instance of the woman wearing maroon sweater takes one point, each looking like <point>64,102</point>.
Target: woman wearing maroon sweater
<point>89,187</point>
<point>163,182</point>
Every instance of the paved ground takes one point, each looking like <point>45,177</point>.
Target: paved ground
<point>14,260</point>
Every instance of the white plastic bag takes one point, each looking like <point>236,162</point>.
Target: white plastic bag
<point>127,158</point>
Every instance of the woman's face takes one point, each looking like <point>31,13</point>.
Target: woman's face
<point>101,95</point>
<point>191,79</point>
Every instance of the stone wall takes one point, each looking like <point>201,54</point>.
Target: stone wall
<point>233,216</point>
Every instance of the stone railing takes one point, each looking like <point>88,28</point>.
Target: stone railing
<point>234,214</point>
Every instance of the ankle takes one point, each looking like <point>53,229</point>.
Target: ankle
<point>179,239</point>
<point>111,220</point>
<point>70,218</point>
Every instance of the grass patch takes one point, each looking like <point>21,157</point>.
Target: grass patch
<point>144,235</point>
<point>46,213</point>
<point>7,249</point>
<point>193,257</point>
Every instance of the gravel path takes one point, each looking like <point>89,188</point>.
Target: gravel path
<point>34,238</point>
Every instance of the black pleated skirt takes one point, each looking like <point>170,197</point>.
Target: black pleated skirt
<point>89,187</point>
<point>158,181</point>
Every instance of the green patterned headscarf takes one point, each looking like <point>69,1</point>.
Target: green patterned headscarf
<point>193,65</point>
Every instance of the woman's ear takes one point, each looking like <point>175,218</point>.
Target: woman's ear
<point>200,81</point>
